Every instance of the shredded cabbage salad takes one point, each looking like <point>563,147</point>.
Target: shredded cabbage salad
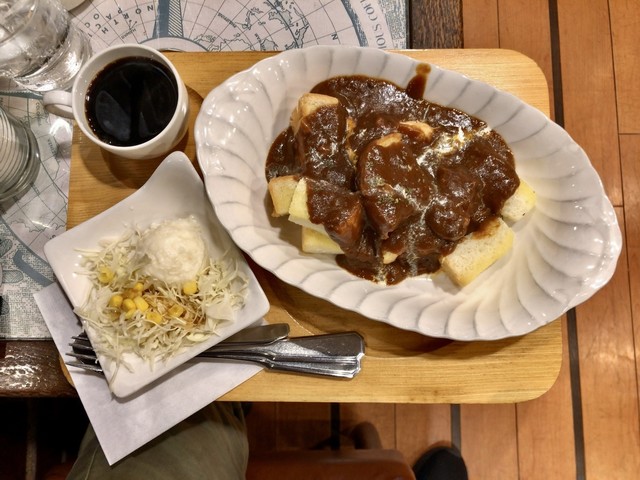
<point>137,313</point>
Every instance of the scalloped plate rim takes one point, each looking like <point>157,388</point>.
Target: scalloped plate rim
<point>214,180</point>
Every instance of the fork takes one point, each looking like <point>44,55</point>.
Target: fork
<point>334,354</point>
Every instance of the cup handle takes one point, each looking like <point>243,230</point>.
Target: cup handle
<point>58,102</point>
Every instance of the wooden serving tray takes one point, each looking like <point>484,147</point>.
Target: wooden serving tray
<point>400,366</point>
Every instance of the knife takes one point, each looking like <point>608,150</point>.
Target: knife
<point>261,334</point>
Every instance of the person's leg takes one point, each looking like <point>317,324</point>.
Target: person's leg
<point>441,463</point>
<point>211,444</point>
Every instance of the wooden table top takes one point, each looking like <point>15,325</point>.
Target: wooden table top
<point>400,366</point>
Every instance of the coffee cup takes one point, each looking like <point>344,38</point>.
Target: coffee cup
<point>129,100</point>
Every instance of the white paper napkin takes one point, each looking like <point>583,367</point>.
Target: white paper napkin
<point>124,425</point>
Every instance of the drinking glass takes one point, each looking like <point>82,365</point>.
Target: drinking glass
<point>19,156</point>
<point>40,49</point>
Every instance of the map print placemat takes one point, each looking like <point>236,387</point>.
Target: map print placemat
<point>28,222</point>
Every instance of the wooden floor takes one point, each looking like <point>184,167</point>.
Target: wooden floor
<point>587,425</point>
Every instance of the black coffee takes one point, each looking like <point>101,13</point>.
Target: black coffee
<point>131,101</point>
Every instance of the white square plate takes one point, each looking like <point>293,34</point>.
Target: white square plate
<point>173,191</point>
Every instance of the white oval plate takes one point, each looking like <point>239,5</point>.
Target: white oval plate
<point>173,191</point>
<point>563,252</point>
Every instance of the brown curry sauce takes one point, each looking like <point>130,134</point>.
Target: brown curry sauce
<point>413,196</point>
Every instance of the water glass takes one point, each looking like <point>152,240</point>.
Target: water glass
<point>39,46</point>
<point>19,156</point>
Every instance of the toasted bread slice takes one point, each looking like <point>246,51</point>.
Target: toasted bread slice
<point>477,251</point>
<point>344,211</point>
<point>298,210</point>
<point>281,190</point>
<point>388,140</point>
<point>519,204</point>
<point>389,257</point>
<point>422,130</point>
<point>318,242</point>
<point>307,105</point>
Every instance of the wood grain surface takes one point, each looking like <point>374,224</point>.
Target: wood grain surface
<point>446,32</point>
<point>542,428</point>
<point>31,369</point>
<point>399,366</point>
<point>586,425</point>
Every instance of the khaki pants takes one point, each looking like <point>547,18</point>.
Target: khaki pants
<point>211,444</point>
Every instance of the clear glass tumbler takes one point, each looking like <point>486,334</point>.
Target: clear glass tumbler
<point>19,156</point>
<point>39,46</point>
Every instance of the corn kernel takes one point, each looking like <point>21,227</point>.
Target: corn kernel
<point>130,313</point>
<point>141,304</point>
<point>175,310</point>
<point>154,317</point>
<point>116,301</point>
<point>128,305</point>
<point>105,275</point>
<point>129,293</point>
<point>189,288</point>
<point>138,287</point>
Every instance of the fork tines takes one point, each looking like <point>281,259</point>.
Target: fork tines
<point>86,366</point>
<point>85,347</point>
<point>83,351</point>
<point>81,338</point>
<point>83,356</point>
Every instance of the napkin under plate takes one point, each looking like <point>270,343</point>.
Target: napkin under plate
<point>124,425</point>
